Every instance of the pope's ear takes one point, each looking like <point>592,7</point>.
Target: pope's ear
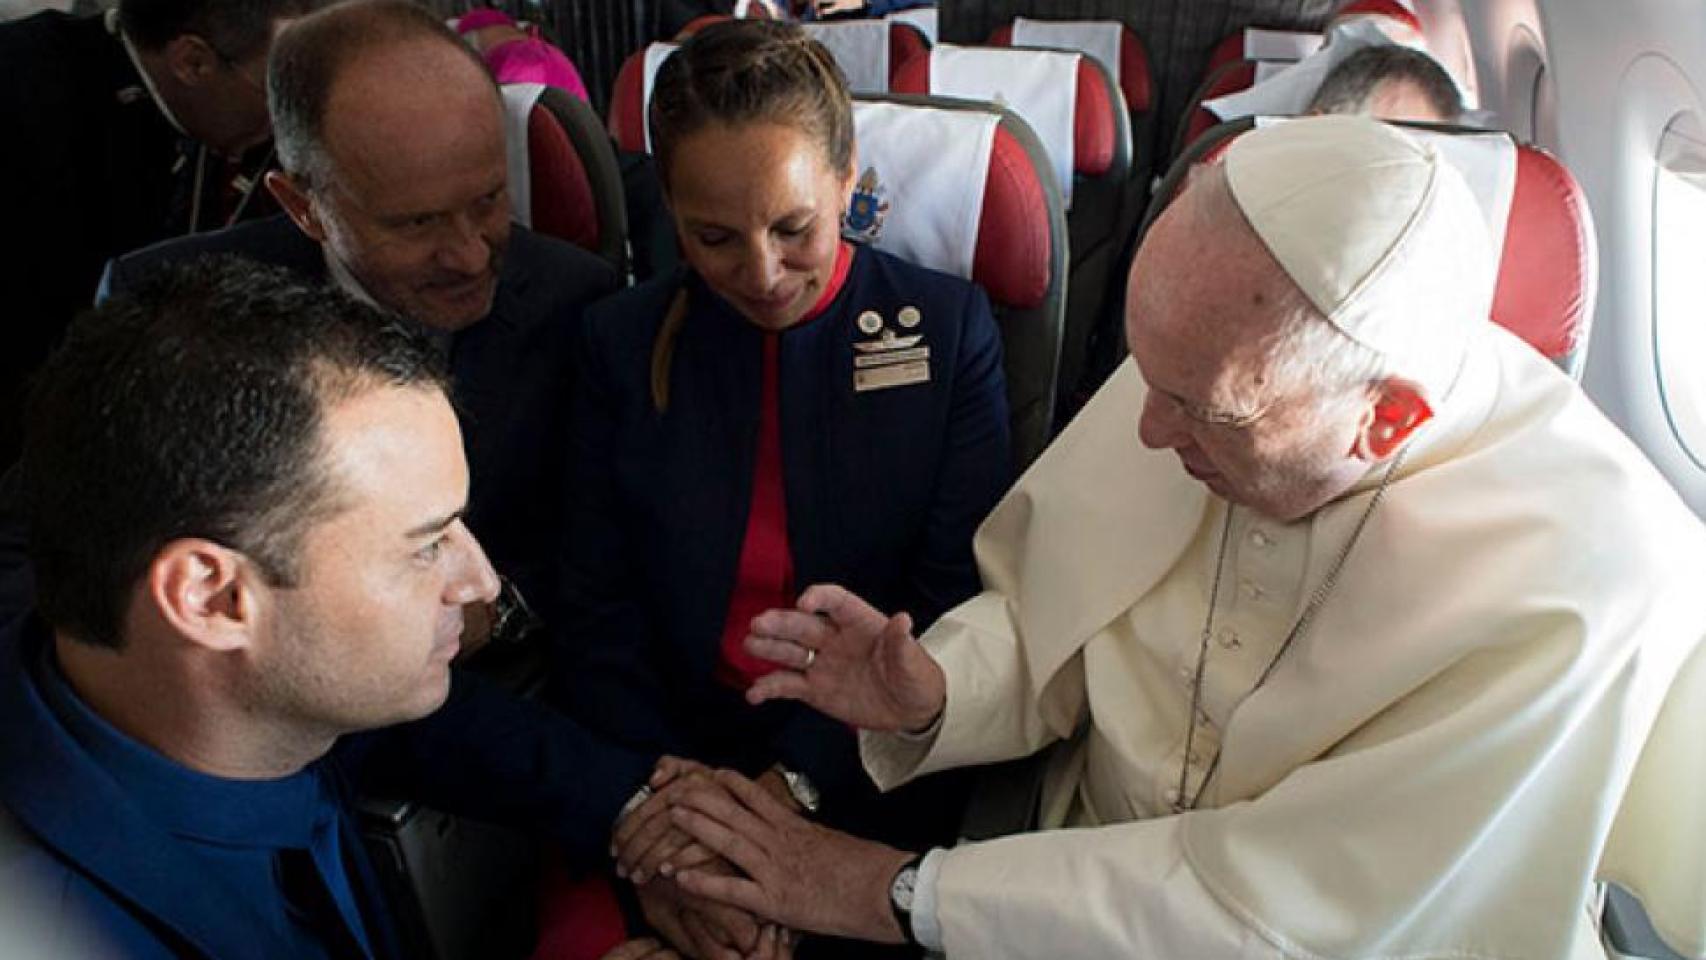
<point>1396,409</point>
<point>292,195</point>
<point>205,591</point>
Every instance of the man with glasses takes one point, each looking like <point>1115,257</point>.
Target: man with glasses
<point>121,129</point>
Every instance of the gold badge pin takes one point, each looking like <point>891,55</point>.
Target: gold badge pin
<point>909,317</point>
<point>870,322</point>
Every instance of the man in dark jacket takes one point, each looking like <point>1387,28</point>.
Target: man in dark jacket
<point>390,133</point>
<point>120,130</point>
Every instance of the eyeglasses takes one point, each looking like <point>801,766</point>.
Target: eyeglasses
<point>1232,419</point>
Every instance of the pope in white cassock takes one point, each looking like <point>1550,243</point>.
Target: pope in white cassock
<point>1348,617</point>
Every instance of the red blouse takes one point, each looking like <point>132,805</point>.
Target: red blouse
<point>764,579</point>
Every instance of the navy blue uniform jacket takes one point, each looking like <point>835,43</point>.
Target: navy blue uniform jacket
<point>884,489</point>
<point>510,376</point>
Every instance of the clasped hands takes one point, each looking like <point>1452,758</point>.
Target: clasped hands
<point>649,847</point>
<point>734,858</point>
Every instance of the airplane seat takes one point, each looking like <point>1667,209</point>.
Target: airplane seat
<point>458,888</point>
<point>1230,49</point>
<point>1391,9</point>
<point>906,41</point>
<point>1549,261</point>
<point>1100,143</point>
<point>1096,181</point>
<point>1228,78</point>
<point>699,23</point>
<point>651,232</point>
<point>1549,272</point>
<point>626,117</point>
<point>1130,69</point>
<point>564,180</point>
<point>1005,230</point>
<point>870,53</point>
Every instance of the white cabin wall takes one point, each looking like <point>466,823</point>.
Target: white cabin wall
<point>1597,83</point>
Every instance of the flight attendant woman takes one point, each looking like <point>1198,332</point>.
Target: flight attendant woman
<point>787,409</point>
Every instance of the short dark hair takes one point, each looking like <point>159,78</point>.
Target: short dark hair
<point>237,29</point>
<point>1352,83</point>
<point>309,57</point>
<point>192,407</point>
<point>739,71</point>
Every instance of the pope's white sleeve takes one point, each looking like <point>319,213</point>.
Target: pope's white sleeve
<point>990,714</point>
<point>1118,891</point>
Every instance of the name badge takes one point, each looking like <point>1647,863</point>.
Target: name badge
<point>891,375</point>
<point>888,359</point>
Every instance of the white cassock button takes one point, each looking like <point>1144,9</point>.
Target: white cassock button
<point>1228,638</point>
<point>1252,590</point>
<point>1172,797</point>
<point>1260,539</point>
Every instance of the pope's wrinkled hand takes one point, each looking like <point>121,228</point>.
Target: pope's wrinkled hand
<point>849,661</point>
<point>797,873</point>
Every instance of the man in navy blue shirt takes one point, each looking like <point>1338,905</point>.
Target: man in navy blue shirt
<point>246,503</point>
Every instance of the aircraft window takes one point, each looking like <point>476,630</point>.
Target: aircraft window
<point>1679,280</point>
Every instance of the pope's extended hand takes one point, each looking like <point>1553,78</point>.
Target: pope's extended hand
<point>849,661</point>
<point>792,871</point>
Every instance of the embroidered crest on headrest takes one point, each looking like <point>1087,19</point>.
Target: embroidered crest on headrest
<point>863,222</point>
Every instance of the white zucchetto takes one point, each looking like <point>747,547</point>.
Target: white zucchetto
<point>1378,231</point>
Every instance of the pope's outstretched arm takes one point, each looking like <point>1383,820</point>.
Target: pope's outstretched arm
<point>848,660</point>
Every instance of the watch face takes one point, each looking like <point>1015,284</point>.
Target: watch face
<point>901,890</point>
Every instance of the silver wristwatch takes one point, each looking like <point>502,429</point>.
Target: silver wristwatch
<point>901,891</point>
<point>802,789</point>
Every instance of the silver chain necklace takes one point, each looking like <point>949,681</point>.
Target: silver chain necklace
<point>1316,599</point>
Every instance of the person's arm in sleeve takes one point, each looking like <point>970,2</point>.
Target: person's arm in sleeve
<point>492,756</point>
<point>603,658</point>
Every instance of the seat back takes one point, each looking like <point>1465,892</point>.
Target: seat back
<point>1549,271</point>
<point>1263,46</point>
<point>1095,140</point>
<point>1226,79</point>
<point>870,52</point>
<point>1408,25</point>
<point>1003,227</point>
<point>1548,277</point>
<point>699,23</point>
<point>564,180</point>
<point>906,40</point>
<point>631,94</point>
<point>1099,174</point>
<point>924,18</point>
<point>1114,45</point>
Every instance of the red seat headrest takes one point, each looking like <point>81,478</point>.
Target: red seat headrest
<point>1136,84</point>
<point>1228,50</point>
<point>1384,8</point>
<point>1229,79</point>
<point>563,204</point>
<point>699,23</point>
<point>628,104</point>
<point>1012,258</point>
<point>1095,129</point>
<point>1548,273</point>
<point>905,42</point>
